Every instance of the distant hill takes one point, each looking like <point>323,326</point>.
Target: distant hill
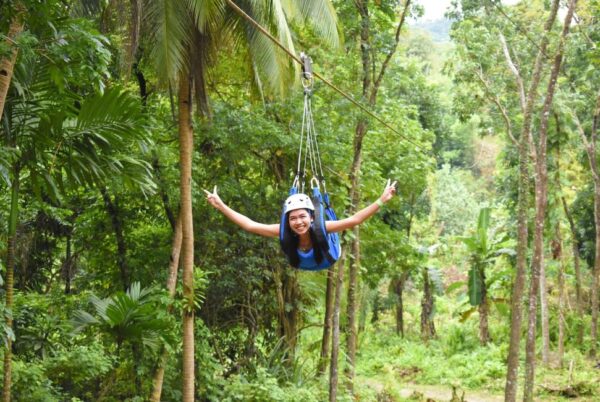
<point>438,29</point>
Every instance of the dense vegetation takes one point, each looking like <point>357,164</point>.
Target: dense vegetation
<point>120,282</point>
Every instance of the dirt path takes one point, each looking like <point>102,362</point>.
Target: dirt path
<point>441,393</point>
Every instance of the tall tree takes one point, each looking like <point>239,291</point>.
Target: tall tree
<point>527,101</point>
<point>589,140</point>
<point>541,199</point>
<point>176,54</point>
<point>7,63</point>
<point>372,78</point>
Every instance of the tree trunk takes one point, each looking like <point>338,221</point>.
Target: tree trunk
<point>162,190</point>
<point>591,149</point>
<point>596,270</point>
<point>541,203</point>
<point>545,320</point>
<point>335,332</point>
<point>287,295</point>
<point>557,255</point>
<point>512,370</point>
<point>484,331</point>
<point>113,211</point>
<point>327,321</point>
<point>9,282</point>
<point>187,255</point>
<point>370,89</point>
<point>351,330</point>
<point>398,285</point>
<point>7,65</point>
<point>576,260</point>
<point>291,296</point>
<point>427,324</point>
<point>159,373</point>
<point>68,266</point>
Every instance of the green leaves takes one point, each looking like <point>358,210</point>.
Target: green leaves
<point>475,285</point>
<point>126,316</point>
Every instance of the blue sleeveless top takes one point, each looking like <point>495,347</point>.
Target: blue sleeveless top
<point>307,261</point>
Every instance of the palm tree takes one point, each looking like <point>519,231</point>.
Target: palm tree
<point>7,64</point>
<point>64,139</point>
<point>185,35</point>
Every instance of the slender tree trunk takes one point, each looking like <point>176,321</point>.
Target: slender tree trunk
<point>596,270</point>
<point>591,149</point>
<point>541,203</point>
<point>371,82</point>
<point>159,373</point>
<point>335,332</point>
<point>427,324</point>
<point>291,296</point>
<point>484,331</point>
<point>7,65</point>
<point>113,211</point>
<point>398,285</point>
<point>545,319</point>
<point>354,265</point>
<point>162,190</point>
<point>512,370</point>
<point>9,281</point>
<point>351,330</point>
<point>287,307</point>
<point>187,252</point>
<point>327,321</point>
<point>557,255</point>
<point>574,246</point>
<point>68,266</point>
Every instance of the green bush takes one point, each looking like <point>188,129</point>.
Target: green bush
<point>78,371</point>
<point>30,383</point>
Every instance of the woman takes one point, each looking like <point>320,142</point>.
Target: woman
<point>299,211</point>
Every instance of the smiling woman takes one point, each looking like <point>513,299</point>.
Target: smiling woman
<point>299,237</point>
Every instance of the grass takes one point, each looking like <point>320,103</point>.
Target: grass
<point>388,363</point>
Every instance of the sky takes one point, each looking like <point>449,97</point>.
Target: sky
<point>435,9</point>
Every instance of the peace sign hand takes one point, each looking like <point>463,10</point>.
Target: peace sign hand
<point>389,191</point>
<point>213,198</point>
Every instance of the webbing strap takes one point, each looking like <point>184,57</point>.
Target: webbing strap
<point>309,155</point>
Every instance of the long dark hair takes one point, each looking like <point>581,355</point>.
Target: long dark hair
<point>290,240</point>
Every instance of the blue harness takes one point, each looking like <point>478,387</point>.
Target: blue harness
<point>327,243</point>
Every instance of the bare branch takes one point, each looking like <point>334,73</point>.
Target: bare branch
<point>385,63</point>
<point>514,70</point>
<point>498,104</point>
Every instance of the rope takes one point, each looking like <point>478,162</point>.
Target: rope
<point>319,76</point>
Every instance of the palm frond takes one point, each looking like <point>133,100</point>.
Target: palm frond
<point>171,36</point>
<point>320,14</point>
<point>208,14</point>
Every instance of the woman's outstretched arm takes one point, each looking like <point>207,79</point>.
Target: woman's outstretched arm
<point>241,220</point>
<point>363,214</point>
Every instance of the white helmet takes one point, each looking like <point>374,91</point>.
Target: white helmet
<point>297,201</point>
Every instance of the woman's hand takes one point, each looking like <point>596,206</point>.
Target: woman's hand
<point>389,191</point>
<point>213,198</point>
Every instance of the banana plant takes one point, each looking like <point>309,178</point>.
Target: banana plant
<point>484,247</point>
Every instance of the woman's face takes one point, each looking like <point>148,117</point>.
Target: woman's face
<point>300,220</point>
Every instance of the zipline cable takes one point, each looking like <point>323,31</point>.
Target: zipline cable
<point>319,76</point>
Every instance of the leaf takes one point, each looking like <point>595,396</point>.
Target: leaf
<point>465,315</point>
<point>455,286</point>
<point>475,286</point>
